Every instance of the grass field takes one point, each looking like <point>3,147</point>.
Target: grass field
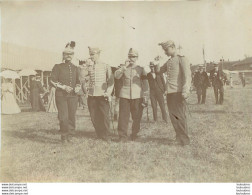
<point>220,149</point>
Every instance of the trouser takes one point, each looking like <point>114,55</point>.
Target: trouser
<point>82,100</point>
<point>201,93</point>
<point>158,97</point>
<point>177,111</point>
<point>127,106</point>
<point>116,108</point>
<point>219,90</point>
<point>67,107</point>
<point>98,108</point>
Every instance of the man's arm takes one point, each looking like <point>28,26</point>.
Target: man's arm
<point>110,80</point>
<point>145,86</point>
<point>119,73</point>
<point>162,69</point>
<point>186,75</point>
<point>163,81</point>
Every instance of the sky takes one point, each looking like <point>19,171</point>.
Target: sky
<point>222,27</point>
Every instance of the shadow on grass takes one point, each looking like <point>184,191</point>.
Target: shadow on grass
<point>209,111</point>
<point>163,141</point>
<point>34,135</point>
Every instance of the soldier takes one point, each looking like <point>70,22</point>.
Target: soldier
<point>217,78</point>
<point>157,89</point>
<point>99,89</point>
<point>66,81</point>
<point>201,82</point>
<point>134,88</point>
<point>178,73</point>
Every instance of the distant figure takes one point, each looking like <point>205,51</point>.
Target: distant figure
<point>9,104</point>
<point>36,90</point>
<point>217,78</point>
<point>52,107</point>
<point>45,95</point>
<point>201,82</point>
<point>157,89</point>
<point>243,79</point>
<point>231,81</point>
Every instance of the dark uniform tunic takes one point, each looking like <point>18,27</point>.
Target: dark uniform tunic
<point>66,74</point>
<point>157,89</point>
<point>201,82</point>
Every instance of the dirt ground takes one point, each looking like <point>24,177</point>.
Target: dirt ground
<point>220,149</point>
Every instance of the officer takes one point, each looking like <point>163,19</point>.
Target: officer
<point>157,89</point>
<point>132,94</point>
<point>99,89</point>
<point>178,73</point>
<point>65,78</point>
<point>217,78</point>
<point>201,82</point>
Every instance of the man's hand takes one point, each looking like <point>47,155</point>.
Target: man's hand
<point>166,92</point>
<point>77,88</point>
<point>185,95</point>
<point>107,96</point>
<point>68,89</point>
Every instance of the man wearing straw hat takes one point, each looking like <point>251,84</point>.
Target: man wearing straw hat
<point>65,78</point>
<point>99,89</point>
<point>178,83</point>
<point>132,93</point>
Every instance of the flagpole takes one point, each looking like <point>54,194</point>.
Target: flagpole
<point>204,60</point>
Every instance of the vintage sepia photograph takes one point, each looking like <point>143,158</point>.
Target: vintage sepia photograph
<point>128,92</point>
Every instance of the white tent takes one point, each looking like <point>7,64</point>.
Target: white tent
<point>9,74</point>
<point>27,72</point>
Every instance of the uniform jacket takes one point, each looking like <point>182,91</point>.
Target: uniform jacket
<point>156,84</point>
<point>201,80</point>
<point>133,84</point>
<point>65,74</point>
<point>217,78</point>
<point>178,73</point>
<point>97,79</point>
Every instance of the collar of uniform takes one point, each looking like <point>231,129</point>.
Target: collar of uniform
<point>133,66</point>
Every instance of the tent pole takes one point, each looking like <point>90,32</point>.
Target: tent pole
<point>21,89</point>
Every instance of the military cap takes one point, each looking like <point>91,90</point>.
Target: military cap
<point>94,50</point>
<point>152,64</point>
<point>167,44</point>
<point>68,50</point>
<point>133,53</point>
<point>201,66</point>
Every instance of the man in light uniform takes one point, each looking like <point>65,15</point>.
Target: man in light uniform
<point>99,89</point>
<point>132,93</point>
<point>178,73</point>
